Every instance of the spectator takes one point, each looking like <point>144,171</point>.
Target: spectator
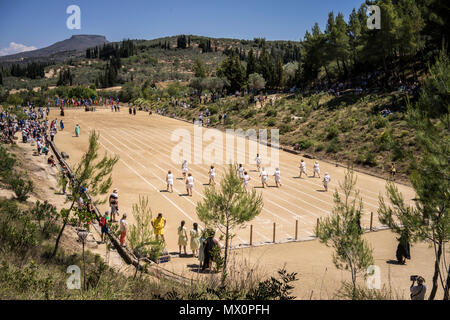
<point>393,171</point>
<point>104,225</point>
<point>403,249</point>
<point>209,245</point>
<point>182,237</point>
<point>114,204</point>
<point>195,240</point>
<point>158,226</point>
<point>123,229</point>
<point>45,150</point>
<point>51,161</point>
<point>77,130</point>
<point>326,181</point>
<point>418,292</point>
<point>80,204</point>
<point>201,250</point>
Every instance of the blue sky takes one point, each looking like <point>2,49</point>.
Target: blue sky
<point>35,23</point>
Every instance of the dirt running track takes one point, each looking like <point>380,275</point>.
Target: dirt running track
<point>144,145</point>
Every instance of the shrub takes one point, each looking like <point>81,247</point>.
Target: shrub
<point>249,114</point>
<point>285,128</point>
<point>398,152</point>
<point>333,146</point>
<point>385,140</point>
<point>17,232</point>
<point>273,289</point>
<point>347,124</point>
<point>271,113</point>
<point>287,119</point>
<point>370,159</point>
<point>212,120</point>
<point>7,163</point>
<point>380,122</point>
<point>20,186</point>
<point>213,110</point>
<point>332,132</point>
<point>306,144</point>
<point>320,147</point>
<point>271,122</point>
<point>228,122</point>
<point>46,217</point>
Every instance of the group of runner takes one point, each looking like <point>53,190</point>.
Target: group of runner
<point>244,176</point>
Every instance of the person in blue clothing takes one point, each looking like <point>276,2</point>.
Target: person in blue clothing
<point>61,125</point>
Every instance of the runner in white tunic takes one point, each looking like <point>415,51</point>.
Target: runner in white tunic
<point>184,168</point>
<point>316,169</point>
<point>277,176</point>
<point>258,162</point>
<point>303,168</point>
<point>263,176</point>
<point>326,181</point>
<point>212,176</point>
<point>189,184</point>
<point>246,180</point>
<point>169,180</point>
<point>241,172</point>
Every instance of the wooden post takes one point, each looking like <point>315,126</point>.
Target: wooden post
<point>274,226</point>
<point>251,234</point>
<point>296,229</point>
<point>371,220</point>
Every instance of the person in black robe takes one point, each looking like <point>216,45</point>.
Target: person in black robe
<point>403,249</point>
<point>209,244</point>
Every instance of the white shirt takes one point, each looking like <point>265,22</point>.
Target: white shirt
<point>303,165</point>
<point>184,167</point>
<point>258,160</point>
<point>241,172</point>
<point>246,179</point>
<point>212,172</point>
<point>277,175</point>
<point>170,178</point>
<point>316,167</point>
<point>123,225</point>
<point>326,178</point>
<point>190,180</point>
<point>264,175</point>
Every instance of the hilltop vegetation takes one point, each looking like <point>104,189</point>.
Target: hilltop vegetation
<point>331,87</point>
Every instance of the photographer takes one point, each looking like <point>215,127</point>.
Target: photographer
<point>418,292</point>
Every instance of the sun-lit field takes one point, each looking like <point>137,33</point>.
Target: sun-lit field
<point>145,147</point>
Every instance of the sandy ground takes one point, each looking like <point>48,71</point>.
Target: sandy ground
<point>318,277</point>
<point>145,147</point>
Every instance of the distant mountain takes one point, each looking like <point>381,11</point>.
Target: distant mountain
<point>74,44</point>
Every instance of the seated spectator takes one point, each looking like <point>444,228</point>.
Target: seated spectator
<point>45,150</point>
<point>51,161</point>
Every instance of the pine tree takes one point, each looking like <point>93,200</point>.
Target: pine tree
<point>91,173</point>
<point>252,64</point>
<point>232,69</point>
<point>341,231</point>
<point>429,218</point>
<point>228,208</point>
